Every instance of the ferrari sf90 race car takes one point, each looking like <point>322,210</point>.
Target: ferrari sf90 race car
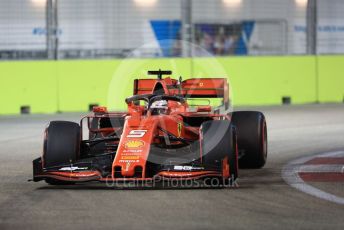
<point>173,130</point>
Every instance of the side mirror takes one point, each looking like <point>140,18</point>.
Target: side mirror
<point>99,109</point>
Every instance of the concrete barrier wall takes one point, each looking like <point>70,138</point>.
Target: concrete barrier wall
<point>51,86</point>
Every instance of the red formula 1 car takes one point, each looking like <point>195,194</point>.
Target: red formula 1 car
<point>173,130</point>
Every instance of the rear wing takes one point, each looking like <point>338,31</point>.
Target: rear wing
<point>204,88</point>
<point>207,88</point>
<point>190,88</point>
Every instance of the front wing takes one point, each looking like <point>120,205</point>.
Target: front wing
<point>99,169</point>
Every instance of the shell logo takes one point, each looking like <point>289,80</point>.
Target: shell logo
<point>134,144</point>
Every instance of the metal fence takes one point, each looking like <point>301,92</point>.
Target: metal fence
<point>74,29</point>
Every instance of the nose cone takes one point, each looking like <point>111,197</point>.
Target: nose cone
<point>128,170</point>
<point>134,148</point>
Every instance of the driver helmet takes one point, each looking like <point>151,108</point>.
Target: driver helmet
<point>159,107</point>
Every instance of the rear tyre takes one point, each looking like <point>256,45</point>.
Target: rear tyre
<point>61,143</point>
<point>219,148</point>
<point>251,137</point>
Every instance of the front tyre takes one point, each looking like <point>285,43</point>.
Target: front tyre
<point>61,143</point>
<point>252,138</point>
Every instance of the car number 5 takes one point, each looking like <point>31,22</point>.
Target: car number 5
<point>137,133</point>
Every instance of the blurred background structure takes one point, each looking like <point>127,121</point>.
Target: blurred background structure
<point>297,34</point>
<point>74,29</point>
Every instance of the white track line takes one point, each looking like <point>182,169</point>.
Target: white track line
<point>290,173</point>
<point>321,168</point>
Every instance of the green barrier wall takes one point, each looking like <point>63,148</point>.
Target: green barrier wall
<point>331,78</point>
<point>265,80</point>
<point>28,83</point>
<point>51,86</point>
<point>106,82</point>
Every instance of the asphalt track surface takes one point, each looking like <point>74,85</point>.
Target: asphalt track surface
<point>262,201</point>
